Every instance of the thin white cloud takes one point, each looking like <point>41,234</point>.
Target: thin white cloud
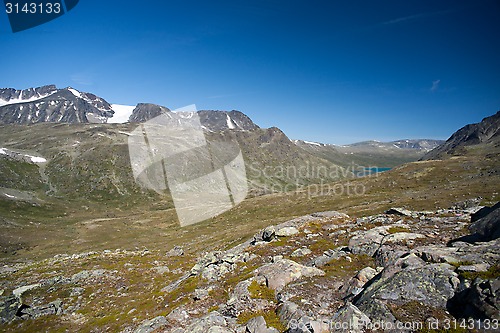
<point>82,78</point>
<point>414,17</point>
<point>435,85</point>
<point>229,95</point>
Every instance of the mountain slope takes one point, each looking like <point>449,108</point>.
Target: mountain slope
<point>485,133</point>
<point>91,161</point>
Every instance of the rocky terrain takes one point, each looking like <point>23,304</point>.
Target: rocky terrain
<point>401,271</point>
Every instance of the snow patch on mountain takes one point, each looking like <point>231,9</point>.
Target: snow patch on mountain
<point>122,113</point>
<point>313,143</point>
<point>21,100</point>
<point>15,154</point>
<point>37,159</point>
<point>75,92</point>
<point>229,122</point>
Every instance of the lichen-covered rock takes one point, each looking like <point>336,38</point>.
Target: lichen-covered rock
<point>349,319</point>
<point>203,325</point>
<point>259,325</point>
<point>368,242</point>
<point>355,285</point>
<point>52,308</point>
<point>297,322</point>
<point>303,251</point>
<point>284,271</point>
<point>488,227</point>
<point>432,284</point>
<point>9,305</point>
<point>176,251</point>
<point>151,325</point>
<point>400,237</point>
<point>329,255</point>
<point>287,231</point>
<point>480,301</point>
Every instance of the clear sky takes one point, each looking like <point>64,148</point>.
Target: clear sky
<point>327,71</point>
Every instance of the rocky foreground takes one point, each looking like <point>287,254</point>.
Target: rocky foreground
<point>324,272</point>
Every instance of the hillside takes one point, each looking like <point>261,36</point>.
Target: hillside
<point>484,135</point>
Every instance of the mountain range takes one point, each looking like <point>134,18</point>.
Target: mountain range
<point>372,153</point>
<point>68,105</point>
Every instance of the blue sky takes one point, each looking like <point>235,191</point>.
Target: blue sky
<point>328,71</point>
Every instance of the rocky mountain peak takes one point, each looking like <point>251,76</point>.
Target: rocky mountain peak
<point>146,111</point>
<point>216,120</point>
<point>50,104</point>
<point>486,131</point>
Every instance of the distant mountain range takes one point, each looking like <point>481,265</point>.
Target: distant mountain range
<point>68,105</point>
<point>371,153</point>
<point>48,104</point>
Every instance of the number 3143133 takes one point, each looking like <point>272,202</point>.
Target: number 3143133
<point>33,8</point>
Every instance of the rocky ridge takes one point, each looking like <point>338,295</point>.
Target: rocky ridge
<point>50,104</point>
<point>484,132</point>
<point>316,273</point>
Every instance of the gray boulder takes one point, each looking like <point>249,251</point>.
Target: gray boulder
<point>151,325</point>
<point>432,285</point>
<point>368,242</point>
<point>204,324</point>
<point>280,273</point>
<point>9,306</point>
<point>287,231</point>
<point>329,255</point>
<point>259,325</point>
<point>488,227</point>
<point>400,212</point>
<point>303,251</point>
<point>176,251</point>
<point>349,319</point>
<point>52,308</point>
<point>268,234</point>
<point>480,301</point>
<point>355,285</point>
